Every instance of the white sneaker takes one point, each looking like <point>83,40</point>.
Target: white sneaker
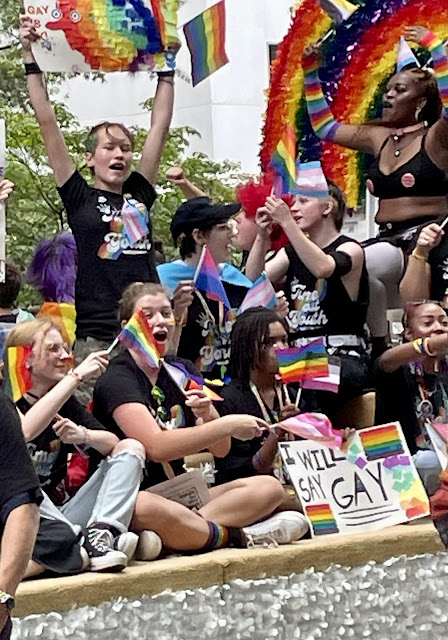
<point>126,543</point>
<point>149,546</point>
<point>282,528</point>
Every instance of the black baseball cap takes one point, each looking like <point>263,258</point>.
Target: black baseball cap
<point>200,212</point>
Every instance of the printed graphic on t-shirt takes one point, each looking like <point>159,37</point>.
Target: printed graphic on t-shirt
<point>307,311</point>
<point>216,350</point>
<point>120,239</point>
<point>44,460</point>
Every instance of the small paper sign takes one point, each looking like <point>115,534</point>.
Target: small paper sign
<point>371,485</point>
<point>189,489</point>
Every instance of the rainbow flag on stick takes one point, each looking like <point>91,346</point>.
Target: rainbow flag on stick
<point>137,336</point>
<point>205,36</point>
<point>64,315</point>
<point>283,163</point>
<point>17,375</point>
<point>208,279</point>
<point>303,363</point>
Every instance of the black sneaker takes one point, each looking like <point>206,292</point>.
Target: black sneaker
<point>98,541</point>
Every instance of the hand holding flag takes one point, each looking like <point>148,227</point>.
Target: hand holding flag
<point>137,336</point>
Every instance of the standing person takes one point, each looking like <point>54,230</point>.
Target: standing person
<point>326,283</point>
<point>19,513</point>
<point>107,260</point>
<point>410,147</point>
<point>412,384</point>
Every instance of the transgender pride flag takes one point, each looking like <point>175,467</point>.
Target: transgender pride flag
<point>406,57</point>
<point>134,216</point>
<point>261,294</point>
<point>207,279</point>
<point>310,180</point>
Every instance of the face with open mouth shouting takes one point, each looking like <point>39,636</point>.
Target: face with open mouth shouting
<point>157,309</point>
<point>401,99</point>
<point>111,160</point>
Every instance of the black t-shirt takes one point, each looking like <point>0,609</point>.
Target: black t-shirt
<point>17,473</point>
<point>124,382</point>
<point>92,214</point>
<point>322,307</point>
<point>205,339</point>
<point>49,454</point>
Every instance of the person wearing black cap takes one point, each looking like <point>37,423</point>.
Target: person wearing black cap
<point>205,337</point>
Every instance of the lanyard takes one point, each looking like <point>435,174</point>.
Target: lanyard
<point>208,313</point>
<point>425,410</point>
<point>267,417</point>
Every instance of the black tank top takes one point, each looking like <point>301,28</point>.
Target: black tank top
<point>320,307</point>
<point>419,176</point>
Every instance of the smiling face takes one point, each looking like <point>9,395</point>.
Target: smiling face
<point>159,314</point>
<point>219,241</point>
<point>111,159</point>
<point>401,100</point>
<point>50,359</point>
<point>310,212</point>
<point>426,320</point>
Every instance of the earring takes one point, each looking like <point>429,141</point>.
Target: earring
<point>417,112</point>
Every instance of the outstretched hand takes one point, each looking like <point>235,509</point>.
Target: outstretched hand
<point>6,187</point>
<point>416,33</point>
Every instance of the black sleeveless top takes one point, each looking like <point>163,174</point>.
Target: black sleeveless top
<point>419,176</point>
<point>319,307</point>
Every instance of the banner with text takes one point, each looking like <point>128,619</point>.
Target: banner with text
<point>371,485</point>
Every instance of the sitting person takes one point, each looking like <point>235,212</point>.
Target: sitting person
<point>412,384</point>
<point>326,282</point>
<point>136,400</point>
<point>254,389</point>
<point>53,421</point>
<point>206,324</point>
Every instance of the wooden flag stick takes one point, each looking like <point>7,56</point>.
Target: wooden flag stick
<point>201,260</point>
<point>112,346</point>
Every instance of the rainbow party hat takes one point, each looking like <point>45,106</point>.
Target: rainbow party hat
<point>406,57</point>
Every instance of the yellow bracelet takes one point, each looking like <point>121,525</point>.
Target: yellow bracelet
<point>415,254</point>
<point>418,346</point>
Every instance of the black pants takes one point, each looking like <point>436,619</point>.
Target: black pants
<point>6,633</point>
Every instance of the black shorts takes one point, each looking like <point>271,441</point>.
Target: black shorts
<point>402,234</point>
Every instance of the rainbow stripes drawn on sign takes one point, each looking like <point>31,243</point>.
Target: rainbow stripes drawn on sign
<point>381,442</point>
<point>206,36</point>
<point>303,363</point>
<point>322,519</point>
<point>137,336</point>
<point>17,375</point>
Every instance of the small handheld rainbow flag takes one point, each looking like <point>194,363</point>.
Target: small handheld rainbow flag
<point>302,363</point>
<point>261,294</point>
<point>205,36</point>
<point>17,375</point>
<point>137,336</point>
<point>64,315</point>
<point>339,10</point>
<point>208,279</point>
<point>283,163</point>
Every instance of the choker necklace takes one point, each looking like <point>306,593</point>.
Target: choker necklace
<point>32,395</point>
<point>397,135</point>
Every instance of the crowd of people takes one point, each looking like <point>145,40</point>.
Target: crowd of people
<point>84,449</point>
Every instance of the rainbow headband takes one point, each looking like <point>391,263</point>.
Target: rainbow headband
<point>364,46</point>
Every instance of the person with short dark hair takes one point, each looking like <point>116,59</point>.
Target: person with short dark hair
<point>9,314</point>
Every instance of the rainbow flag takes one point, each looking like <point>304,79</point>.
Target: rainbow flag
<point>283,162</point>
<point>338,10</point>
<point>137,336</point>
<point>322,519</point>
<point>381,442</point>
<point>208,279</point>
<point>205,36</point>
<point>303,363</point>
<point>134,216</point>
<point>406,56</point>
<point>261,294</point>
<point>63,314</point>
<point>17,375</point>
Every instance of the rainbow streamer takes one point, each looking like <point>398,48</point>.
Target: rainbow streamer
<point>205,36</point>
<point>283,162</point>
<point>63,314</point>
<point>17,374</point>
<point>303,363</point>
<point>137,336</point>
<point>381,442</point>
<point>322,519</point>
<point>358,60</point>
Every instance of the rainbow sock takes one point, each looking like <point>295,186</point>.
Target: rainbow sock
<point>218,536</point>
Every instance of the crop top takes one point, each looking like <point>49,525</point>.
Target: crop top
<point>419,176</point>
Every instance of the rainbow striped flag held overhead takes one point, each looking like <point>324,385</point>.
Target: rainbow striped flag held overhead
<point>134,216</point>
<point>17,375</point>
<point>302,363</point>
<point>137,336</point>
<point>338,10</point>
<point>207,279</point>
<point>261,294</point>
<point>406,57</point>
<point>311,180</point>
<point>283,163</point>
<point>205,36</point>
<point>64,315</point>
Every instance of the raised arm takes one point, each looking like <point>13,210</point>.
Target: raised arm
<point>177,177</point>
<point>60,160</point>
<point>416,283</point>
<point>161,116</point>
<point>277,267</point>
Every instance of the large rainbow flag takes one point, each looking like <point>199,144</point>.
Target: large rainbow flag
<point>208,279</point>
<point>137,336</point>
<point>206,35</point>
<point>17,375</point>
<point>303,363</point>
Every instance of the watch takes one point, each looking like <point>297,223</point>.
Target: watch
<point>7,599</point>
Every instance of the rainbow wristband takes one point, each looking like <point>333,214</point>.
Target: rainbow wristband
<point>440,66</point>
<point>322,120</point>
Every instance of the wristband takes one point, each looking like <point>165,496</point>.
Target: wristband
<point>418,346</point>
<point>415,254</point>
<point>166,74</point>
<point>32,68</point>
<point>427,349</point>
<point>78,377</point>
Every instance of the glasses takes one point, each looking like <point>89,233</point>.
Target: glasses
<point>58,348</point>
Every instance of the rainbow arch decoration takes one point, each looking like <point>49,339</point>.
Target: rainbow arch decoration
<point>358,59</point>
<point>104,35</point>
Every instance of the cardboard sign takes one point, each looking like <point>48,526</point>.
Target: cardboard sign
<point>79,36</point>
<point>189,489</point>
<point>371,485</point>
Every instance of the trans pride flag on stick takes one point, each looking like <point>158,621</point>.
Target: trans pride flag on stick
<point>137,336</point>
<point>205,36</point>
<point>261,294</point>
<point>208,279</point>
<point>17,375</point>
<point>302,363</point>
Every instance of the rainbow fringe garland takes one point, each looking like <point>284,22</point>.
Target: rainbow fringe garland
<point>358,60</point>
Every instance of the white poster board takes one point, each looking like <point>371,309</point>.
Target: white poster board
<point>2,206</point>
<point>372,485</point>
